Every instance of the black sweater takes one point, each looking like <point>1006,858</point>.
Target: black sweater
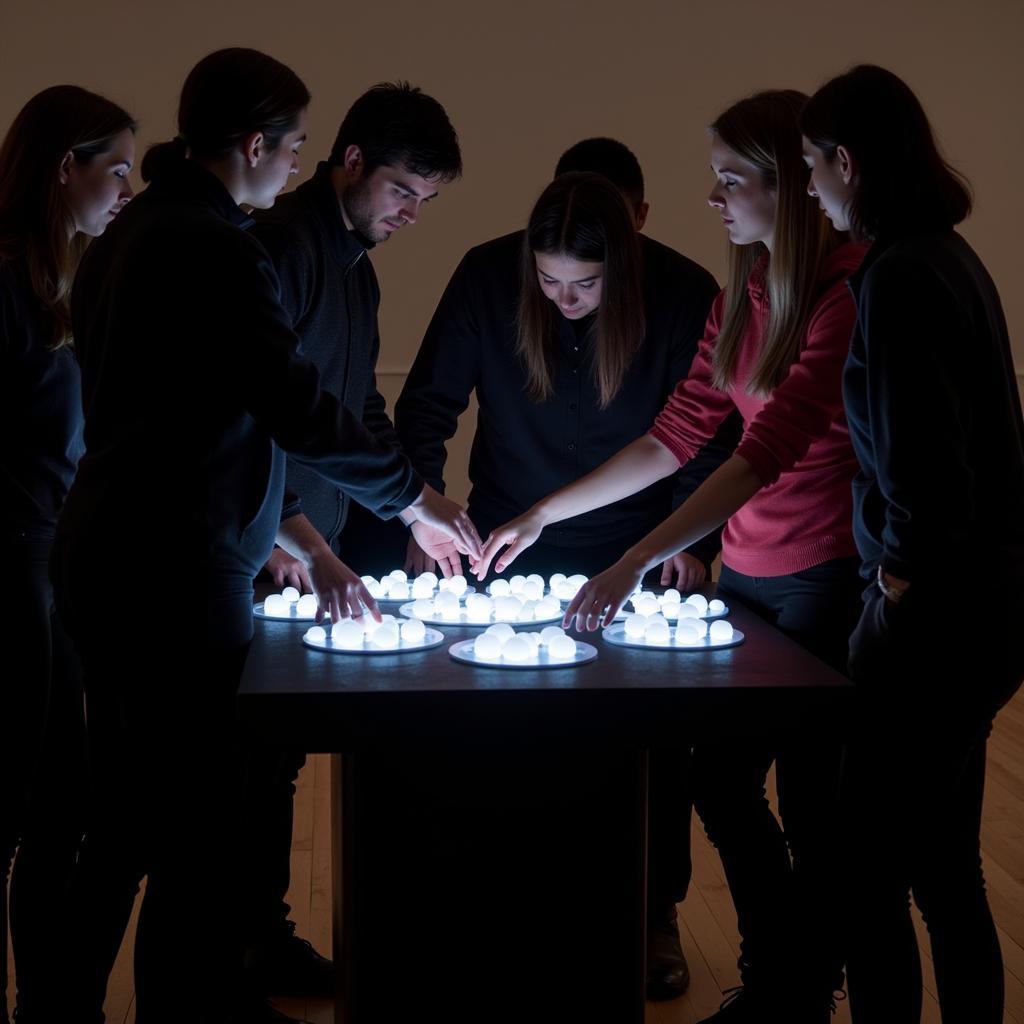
<point>40,413</point>
<point>329,291</point>
<point>524,450</point>
<point>934,414</point>
<point>190,375</point>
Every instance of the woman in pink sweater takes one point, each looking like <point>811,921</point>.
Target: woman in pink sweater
<point>774,348</point>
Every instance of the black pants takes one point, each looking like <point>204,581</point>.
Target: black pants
<point>783,877</point>
<point>43,772</point>
<point>160,699</point>
<point>912,789</point>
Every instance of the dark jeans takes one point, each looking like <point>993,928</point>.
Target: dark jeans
<point>912,788</point>
<point>160,700</point>
<point>783,877</point>
<point>43,772</point>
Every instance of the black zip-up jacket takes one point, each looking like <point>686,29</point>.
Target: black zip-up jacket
<point>40,413</point>
<point>935,416</point>
<point>190,375</point>
<point>524,450</point>
<point>330,292</point>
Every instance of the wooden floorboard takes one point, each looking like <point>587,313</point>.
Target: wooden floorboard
<point>707,920</point>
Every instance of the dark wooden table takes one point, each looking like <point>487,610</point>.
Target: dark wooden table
<point>490,846</point>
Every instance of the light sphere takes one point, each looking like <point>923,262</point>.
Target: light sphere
<point>688,611</point>
<point>517,649</point>
<point>548,633</point>
<point>557,579</point>
<point>307,605</point>
<point>721,631</point>
<point>457,584</point>
<point>657,632</point>
<point>716,607</point>
<point>316,634</point>
<point>687,632</point>
<point>399,576</point>
<point>347,633</point>
<point>700,602</point>
<point>500,588</point>
<point>290,594</point>
<point>487,646</point>
<point>671,596</point>
<point>501,630</point>
<point>413,631</point>
<point>562,648</point>
<point>635,626</point>
<point>275,604</point>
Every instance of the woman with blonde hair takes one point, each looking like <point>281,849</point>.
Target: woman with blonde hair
<point>773,349</point>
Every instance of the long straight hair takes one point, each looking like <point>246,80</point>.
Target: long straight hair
<point>37,228</point>
<point>584,217</point>
<point>878,119</point>
<point>764,129</point>
<point>229,95</point>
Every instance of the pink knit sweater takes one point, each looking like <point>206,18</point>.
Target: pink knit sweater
<point>797,440</point>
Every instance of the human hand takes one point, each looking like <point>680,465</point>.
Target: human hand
<point>689,572</point>
<point>518,534</point>
<point>437,511</point>
<point>339,591</point>
<point>600,598</point>
<point>430,544</point>
<point>287,571</point>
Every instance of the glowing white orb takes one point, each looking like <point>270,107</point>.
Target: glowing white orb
<point>487,646</point>
<point>646,604</point>
<point>533,639</point>
<point>423,608</point>
<point>507,607</point>
<point>517,649</point>
<point>721,631</point>
<point>413,631</point>
<point>687,632</point>
<point>532,590</point>
<point>548,608</point>
<point>422,588</point>
<point>562,648</point>
<point>671,596</point>
<point>716,607</point>
<point>565,591</point>
<point>457,584</point>
<point>290,594</point>
<point>516,584</point>
<point>501,630</point>
<point>399,576</point>
<point>446,599</point>
<point>557,579</point>
<point>347,633</point>
<point>428,577</point>
<point>536,578</point>
<point>399,591</point>
<point>307,605</point>
<point>700,602</point>
<point>635,626</point>
<point>385,636</point>
<point>275,604</point>
<point>701,625</point>
<point>577,580</point>
<point>548,633</point>
<point>500,588</point>
<point>316,634</point>
<point>688,611</point>
<point>657,632</point>
<point>444,584</point>
<point>451,613</point>
<point>671,611</point>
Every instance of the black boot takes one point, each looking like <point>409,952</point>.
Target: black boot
<point>668,974</point>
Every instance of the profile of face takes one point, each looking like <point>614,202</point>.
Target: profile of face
<point>270,169</point>
<point>573,285</point>
<point>831,183</point>
<point>389,197</point>
<point>96,190</point>
<point>740,195</point>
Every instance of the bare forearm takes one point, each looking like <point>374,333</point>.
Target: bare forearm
<point>637,466</point>
<point>299,537</point>
<point>727,490</point>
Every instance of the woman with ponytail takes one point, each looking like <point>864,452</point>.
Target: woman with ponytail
<point>192,387</point>
<point>64,167</point>
<point>773,348</point>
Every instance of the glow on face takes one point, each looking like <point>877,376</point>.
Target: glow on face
<point>827,186</point>
<point>574,286</point>
<point>386,199</point>
<point>270,175</point>
<point>740,196</point>
<point>96,191</point>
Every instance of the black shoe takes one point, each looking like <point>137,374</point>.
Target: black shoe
<point>668,974</point>
<point>289,966</point>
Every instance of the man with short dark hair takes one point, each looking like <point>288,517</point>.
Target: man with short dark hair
<point>394,150</point>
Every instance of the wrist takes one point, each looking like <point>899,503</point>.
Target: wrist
<point>893,588</point>
<point>639,560</point>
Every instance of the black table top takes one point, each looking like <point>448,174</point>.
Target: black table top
<point>338,702</point>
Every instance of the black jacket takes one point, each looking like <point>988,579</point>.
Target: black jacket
<point>190,376</point>
<point>523,450</point>
<point>934,414</point>
<point>40,413</point>
<point>330,292</point>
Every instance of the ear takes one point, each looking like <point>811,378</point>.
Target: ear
<point>641,215</point>
<point>353,163</point>
<point>65,167</point>
<point>847,166</point>
<point>253,148</point>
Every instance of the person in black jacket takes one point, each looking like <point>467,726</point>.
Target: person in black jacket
<point>935,419</point>
<point>63,178</point>
<point>191,382</point>
<point>394,150</point>
<point>549,416</point>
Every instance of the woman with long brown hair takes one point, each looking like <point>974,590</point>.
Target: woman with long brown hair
<point>64,167</point>
<point>773,349</point>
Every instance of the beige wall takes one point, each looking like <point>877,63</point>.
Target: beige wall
<point>524,79</point>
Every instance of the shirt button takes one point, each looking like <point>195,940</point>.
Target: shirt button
<point>572,446</point>
<point>575,348</point>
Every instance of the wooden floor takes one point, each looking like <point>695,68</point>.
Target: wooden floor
<point>707,921</point>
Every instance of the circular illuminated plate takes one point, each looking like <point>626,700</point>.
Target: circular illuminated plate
<point>432,638</point>
<point>406,610</point>
<point>707,618</point>
<point>402,600</point>
<point>616,634</point>
<point>463,651</point>
<point>292,616</point>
